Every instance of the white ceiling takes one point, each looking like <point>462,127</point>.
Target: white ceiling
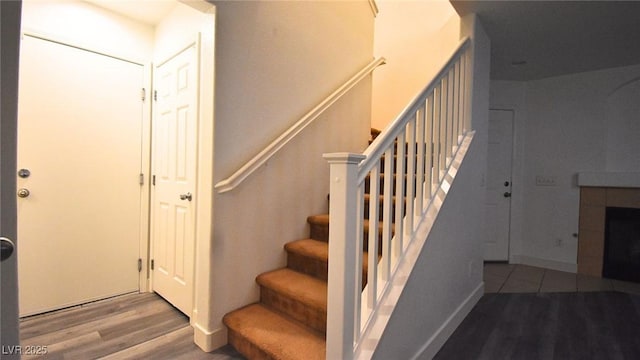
<point>146,11</point>
<point>557,37</point>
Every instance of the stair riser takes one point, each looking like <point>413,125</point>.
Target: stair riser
<point>321,233</point>
<point>306,265</point>
<point>246,347</point>
<point>312,317</point>
<point>313,267</point>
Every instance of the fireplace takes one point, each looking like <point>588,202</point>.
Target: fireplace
<point>598,195</point>
<point>622,244</point>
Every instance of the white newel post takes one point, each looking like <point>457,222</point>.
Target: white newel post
<point>341,292</point>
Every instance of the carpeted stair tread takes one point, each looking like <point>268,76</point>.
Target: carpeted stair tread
<point>258,332</point>
<point>298,286</point>
<point>314,249</point>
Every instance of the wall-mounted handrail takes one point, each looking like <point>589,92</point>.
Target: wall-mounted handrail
<point>374,7</point>
<point>263,156</point>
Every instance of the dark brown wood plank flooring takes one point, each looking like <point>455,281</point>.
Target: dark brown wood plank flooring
<point>134,326</point>
<point>595,325</point>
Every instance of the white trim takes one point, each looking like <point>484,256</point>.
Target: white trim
<point>543,263</point>
<point>440,337</point>
<point>202,303</point>
<point>145,216</point>
<point>263,156</point>
<point>209,340</point>
<point>609,179</point>
<point>61,40</point>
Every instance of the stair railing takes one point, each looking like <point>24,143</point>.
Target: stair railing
<point>426,135</point>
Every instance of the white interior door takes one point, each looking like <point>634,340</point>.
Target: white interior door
<point>79,136</point>
<point>174,169</point>
<point>498,195</point>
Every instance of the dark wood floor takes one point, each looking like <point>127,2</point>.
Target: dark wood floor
<point>134,326</point>
<point>596,325</point>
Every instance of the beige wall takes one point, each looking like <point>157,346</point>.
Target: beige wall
<point>416,38</point>
<point>275,61</point>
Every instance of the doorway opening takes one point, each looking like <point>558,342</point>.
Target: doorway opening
<point>72,24</point>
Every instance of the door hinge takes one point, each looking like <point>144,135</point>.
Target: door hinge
<point>153,180</point>
<point>155,95</point>
<point>141,179</point>
<point>139,265</point>
<point>143,94</point>
<point>152,264</point>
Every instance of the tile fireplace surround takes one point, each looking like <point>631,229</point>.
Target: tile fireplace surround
<point>597,192</point>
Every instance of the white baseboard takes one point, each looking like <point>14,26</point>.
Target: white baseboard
<point>209,340</point>
<point>433,345</point>
<point>544,263</point>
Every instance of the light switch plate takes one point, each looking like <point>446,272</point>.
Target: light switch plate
<point>542,180</point>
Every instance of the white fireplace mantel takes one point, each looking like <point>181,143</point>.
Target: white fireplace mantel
<point>609,179</point>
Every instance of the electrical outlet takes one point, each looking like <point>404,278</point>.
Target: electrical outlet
<point>559,242</point>
<point>542,180</point>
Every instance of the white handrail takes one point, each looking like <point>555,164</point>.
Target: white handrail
<point>374,7</point>
<point>263,156</point>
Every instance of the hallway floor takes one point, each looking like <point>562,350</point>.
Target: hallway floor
<point>133,326</point>
<point>514,308</point>
<point>509,278</point>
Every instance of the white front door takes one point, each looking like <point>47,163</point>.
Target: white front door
<point>79,145</point>
<point>174,170</point>
<point>498,190</point>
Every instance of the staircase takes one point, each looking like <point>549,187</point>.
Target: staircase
<point>407,172</point>
<point>290,320</point>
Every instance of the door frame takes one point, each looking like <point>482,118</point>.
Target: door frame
<point>511,173</point>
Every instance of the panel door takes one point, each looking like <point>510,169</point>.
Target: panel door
<point>79,138</point>
<point>498,190</point>
<point>174,163</point>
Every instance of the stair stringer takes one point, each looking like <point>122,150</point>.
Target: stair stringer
<point>374,328</point>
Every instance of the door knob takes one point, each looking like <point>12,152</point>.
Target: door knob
<point>187,196</point>
<point>24,173</point>
<point>506,183</point>
<point>6,248</point>
<point>23,193</point>
<point>507,194</point>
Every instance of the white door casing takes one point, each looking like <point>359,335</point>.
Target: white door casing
<point>80,136</point>
<point>498,189</point>
<point>174,194</point>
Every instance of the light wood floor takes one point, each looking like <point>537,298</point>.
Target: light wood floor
<point>134,326</point>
